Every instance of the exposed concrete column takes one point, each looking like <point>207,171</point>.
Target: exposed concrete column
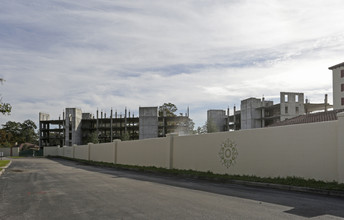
<point>326,102</point>
<point>111,125</point>
<point>340,147</point>
<point>64,129</point>
<point>116,142</point>
<point>97,125</point>
<point>234,118</point>
<point>170,149</point>
<point>164,130</point>
<point>227,120</point>
<point>263,113</point>
<point>73,126</point>
<point>216,120</point>
<point>42,117</point>
<point>148,122</point>
<point>125,122</point>
<point>40,132</point>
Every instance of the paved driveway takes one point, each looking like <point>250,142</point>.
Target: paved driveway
<point>59,189</point>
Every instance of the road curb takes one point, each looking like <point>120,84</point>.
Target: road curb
<point>4,168</point>
<point>301,189</point>
<point>290,188</point>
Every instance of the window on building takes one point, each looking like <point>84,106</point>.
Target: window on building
<point>286,98</point>
<point>342,88</point>
<point>266,113</point>
<point>342,73</point>
<point>342,101</point>
<point>296,98</point>
<point>297,110</point>
<point>286,110</point>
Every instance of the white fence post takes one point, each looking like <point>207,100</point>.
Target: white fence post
<point>89,151</point>
<point>170,151</point>
<point>115,146</point>
<point>340,147</point>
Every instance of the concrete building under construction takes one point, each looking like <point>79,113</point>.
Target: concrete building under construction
<point>78,128</point>
<point>338,85</point>
<point>259,113</point>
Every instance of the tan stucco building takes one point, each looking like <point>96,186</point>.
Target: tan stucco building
<point>338,85</point>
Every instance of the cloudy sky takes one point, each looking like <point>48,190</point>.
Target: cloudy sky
<point>206,54</point>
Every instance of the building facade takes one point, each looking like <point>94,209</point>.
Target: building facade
<point>259,113</point>
<point>338,85</point>
<point>76,128</point>
<point>216,120</point>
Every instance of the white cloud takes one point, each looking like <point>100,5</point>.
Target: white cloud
<point>202,54</point>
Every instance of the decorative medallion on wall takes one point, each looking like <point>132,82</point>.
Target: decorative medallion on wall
<point>228,153</point>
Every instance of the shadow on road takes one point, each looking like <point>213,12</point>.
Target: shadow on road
<point>303,204</point>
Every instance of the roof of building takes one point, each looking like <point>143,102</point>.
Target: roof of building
<point>336,66</point>
<point>310,118</point>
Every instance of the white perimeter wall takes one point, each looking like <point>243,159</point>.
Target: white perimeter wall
<point>50,151</point>
<point>307,150</point>
<point>102,152</point>
<point>147,152</point>
<point>311,151</point>
<point>7,151</point>
<point>81,152</point>
<point>68,152</point>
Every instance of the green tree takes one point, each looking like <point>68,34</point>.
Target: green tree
<point>125,136</point>
<point>92,138</point>
<point>190,126</point>
<point>169,108</point>
<point>187,126</point>
<point>55,138</point>
<point>200,130</point>
<point>28,132</point>
<point>13,128</point>
<point>21,132</point>
<point>208,127</point>
<point>6,139</point>
<point>5,108</point>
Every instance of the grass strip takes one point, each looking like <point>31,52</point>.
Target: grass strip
<point>4,163</point>
<point>290,181</point>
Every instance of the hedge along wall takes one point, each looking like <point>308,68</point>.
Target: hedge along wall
<point>312,151</point>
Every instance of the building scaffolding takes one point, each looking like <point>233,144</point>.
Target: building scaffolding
<point>259,113</point>
<point>76,127</point>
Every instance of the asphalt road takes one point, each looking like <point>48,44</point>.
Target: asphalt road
<point>59,189</point>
